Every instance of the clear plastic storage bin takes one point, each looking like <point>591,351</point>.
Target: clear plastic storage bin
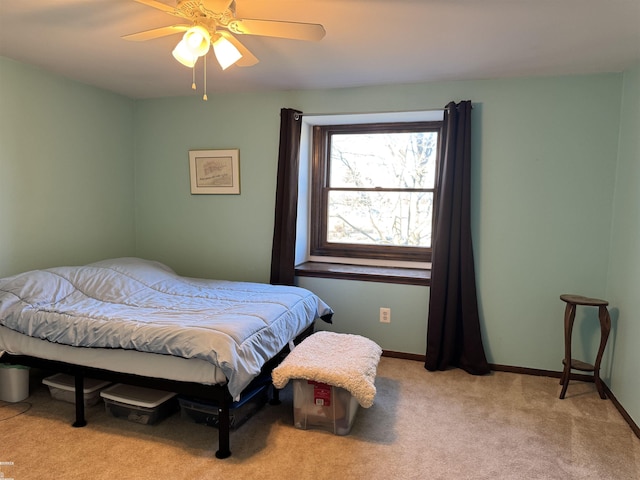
<point>139,404</point>
<point>203,411</point>
<point>322,406</point>
<point>63,387</point>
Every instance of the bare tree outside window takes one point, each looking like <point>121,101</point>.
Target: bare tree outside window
<point>376,190</point>
<point>386,188</point>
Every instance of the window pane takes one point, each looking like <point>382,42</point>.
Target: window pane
<point>386,160</point>
<point>380,218</point>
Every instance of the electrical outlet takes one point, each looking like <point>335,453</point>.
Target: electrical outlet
<point>385,315</point>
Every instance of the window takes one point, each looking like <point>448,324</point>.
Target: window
<point>373,190</point>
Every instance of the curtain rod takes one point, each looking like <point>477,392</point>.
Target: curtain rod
<point>371,113</point>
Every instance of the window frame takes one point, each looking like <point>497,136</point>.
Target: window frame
<point>319,246</point>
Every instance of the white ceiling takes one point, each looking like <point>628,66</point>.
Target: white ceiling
<point>368,42</point>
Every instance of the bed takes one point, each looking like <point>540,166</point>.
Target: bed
<point>136,321</point>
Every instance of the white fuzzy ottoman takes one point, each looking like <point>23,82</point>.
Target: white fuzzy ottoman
<point>338,359</point>
<point>332,374</point>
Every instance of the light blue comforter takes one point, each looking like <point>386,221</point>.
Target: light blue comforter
<point>142,305</point>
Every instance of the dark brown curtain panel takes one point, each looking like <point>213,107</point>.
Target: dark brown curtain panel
<point>284,232</point>
<point>453,329</point>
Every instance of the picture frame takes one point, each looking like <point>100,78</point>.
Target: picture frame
<point>214,172</point>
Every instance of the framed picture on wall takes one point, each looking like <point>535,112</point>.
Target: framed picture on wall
<point>215,172</point>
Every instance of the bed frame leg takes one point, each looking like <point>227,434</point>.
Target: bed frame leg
<point>79,392</point>
<point>224,428</point>
<point>275,396</point>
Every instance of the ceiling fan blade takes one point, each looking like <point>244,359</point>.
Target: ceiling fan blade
<point>156,33</point>
<point>273,28</point>
<point>248,58</point>
<point>159,5</point>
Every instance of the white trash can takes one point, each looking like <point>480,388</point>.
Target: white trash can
<point>14,383</point>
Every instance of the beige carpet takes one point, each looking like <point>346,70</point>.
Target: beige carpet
<point>445,425</point>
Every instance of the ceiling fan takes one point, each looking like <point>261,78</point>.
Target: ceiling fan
<point>212,24</point>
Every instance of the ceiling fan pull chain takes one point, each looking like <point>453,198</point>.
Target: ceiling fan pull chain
<point>193,77</point>
<point>204,97</point>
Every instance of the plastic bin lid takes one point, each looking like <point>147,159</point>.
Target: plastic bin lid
<point>134,395</point>
<point>67,382</point>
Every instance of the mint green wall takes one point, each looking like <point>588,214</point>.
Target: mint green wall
<point>66,171</point>
<point>207,235</point>
<point>543,177</point>
<point>544,157</point>
<point>624,270</point>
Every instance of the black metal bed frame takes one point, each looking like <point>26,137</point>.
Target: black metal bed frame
<point>217,393</point>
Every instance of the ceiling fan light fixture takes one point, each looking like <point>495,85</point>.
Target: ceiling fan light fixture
<point>226,53</point>
<point>197,40</point>
<point>182,54</point>
<point>217,19</point>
